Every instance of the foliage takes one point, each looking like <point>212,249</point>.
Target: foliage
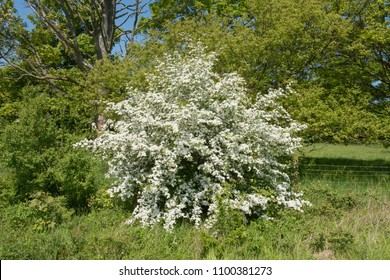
<point>33,53</point>
<point>367,44</point>
<point>9,25</point>
<point>48,211</point>
<point>315,43</point>
<point>108,80</point>
<point>284,40</point>
<point>64,38</point>
<point>37,154</point>
<point>338,117</point>
<point>28,146</point>
<point>164,11</point>
<point>42,212</point>
<point>79,176</point>
<point>194,143</point>
<point>7,188</point>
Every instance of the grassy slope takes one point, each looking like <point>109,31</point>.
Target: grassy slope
<point>339,225</point>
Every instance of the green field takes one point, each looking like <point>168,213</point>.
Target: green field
<point>346,168</point>
<point>368,153</point>
<point>343,223</point>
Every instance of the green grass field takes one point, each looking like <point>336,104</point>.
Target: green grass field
<point>346,168</point>
<point>343,223</point>
<point>369,153</point>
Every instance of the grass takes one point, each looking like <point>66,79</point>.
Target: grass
<point>337,226</point>
<point>367,153</point>
<point>341,224</point>
<point>346,168</point>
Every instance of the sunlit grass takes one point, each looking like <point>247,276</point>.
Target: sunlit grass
<point>352,152</point>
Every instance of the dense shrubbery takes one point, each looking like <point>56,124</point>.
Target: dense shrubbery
<point>193,143</point>
<point>37,153</point>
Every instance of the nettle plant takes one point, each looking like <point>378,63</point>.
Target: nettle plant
<point>194,143</point>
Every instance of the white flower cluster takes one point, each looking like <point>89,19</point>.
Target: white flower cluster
<point>174,148</point>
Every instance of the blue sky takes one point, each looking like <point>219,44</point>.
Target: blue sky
<point>22,9</point>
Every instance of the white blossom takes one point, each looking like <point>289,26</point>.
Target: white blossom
<point>174,147</point>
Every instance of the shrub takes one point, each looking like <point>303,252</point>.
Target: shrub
<point>37,153</point>
<point>30,146</point>
<point>41,213</point>
<point>77,173</point>
<point>48,211</point>
<point>194,142</point>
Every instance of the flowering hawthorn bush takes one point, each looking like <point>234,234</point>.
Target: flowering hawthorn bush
<point>194,143</point>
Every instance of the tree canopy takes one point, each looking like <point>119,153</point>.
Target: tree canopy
<point>335,51</point>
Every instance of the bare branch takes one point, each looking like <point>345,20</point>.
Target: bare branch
<point>138,11</point>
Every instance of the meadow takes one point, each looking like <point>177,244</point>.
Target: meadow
<point>349,220</point>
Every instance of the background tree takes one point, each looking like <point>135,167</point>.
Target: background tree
<point>366,48</point>
<point>270,42</point>
<point>273,42</point>
<point>66,33</point>
<point>166,11</point>
<point>33,53</point>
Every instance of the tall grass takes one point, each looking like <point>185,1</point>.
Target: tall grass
<point>337,226</point>
<point>343,223</point>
